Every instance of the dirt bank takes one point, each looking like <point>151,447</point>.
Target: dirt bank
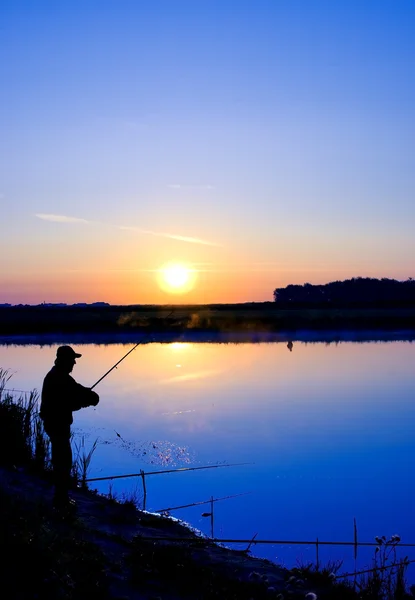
<point>140,556</point>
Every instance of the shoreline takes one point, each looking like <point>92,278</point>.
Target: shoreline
<point>169,323</point>
<point>214,337</point>
<point>144,556</point>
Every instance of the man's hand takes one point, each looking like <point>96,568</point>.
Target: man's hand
<point>94,399</point>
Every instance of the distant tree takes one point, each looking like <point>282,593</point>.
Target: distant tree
<point>354,291</point>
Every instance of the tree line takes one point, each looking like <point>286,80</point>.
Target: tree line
<point>358,291</point>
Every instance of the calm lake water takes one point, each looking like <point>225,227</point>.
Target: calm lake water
<point>328,430</point>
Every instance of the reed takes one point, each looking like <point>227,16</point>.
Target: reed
<point>82,462</point>
<point>386,580</point>
<point>22,437</point>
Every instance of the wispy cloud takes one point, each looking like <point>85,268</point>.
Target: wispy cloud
<point>231,269</point>
<point>181,186</point>
<point>178,412</point>
<point>254,268</point>
<point>172,236</point>
<point>61,218</point>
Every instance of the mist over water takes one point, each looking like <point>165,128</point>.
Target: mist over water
<point>328,430</point>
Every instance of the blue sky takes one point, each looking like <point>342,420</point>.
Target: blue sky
<point>258,143</point>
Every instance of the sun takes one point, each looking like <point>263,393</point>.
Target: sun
<point>176,278</point>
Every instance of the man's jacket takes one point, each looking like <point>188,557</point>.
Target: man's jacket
<point>61,395</point>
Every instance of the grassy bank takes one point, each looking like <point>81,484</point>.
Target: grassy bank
<point>256,317</point>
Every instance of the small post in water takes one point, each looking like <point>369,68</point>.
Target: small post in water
<point>143,477</point>
<point>211,517</point>
<point>317,558</point>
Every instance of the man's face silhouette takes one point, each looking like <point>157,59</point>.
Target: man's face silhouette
<point>67,364</point>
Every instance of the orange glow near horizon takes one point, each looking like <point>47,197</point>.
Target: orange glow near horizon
<point>211,284</point>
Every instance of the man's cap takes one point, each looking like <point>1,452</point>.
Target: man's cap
<point>66,352</point>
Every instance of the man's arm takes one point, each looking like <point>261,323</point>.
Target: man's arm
<point>83,397</point>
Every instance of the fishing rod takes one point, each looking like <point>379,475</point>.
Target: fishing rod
<point>116,364</point>
<point>125,356</point>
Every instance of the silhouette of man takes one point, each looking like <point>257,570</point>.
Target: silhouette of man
<point>61,395</point>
